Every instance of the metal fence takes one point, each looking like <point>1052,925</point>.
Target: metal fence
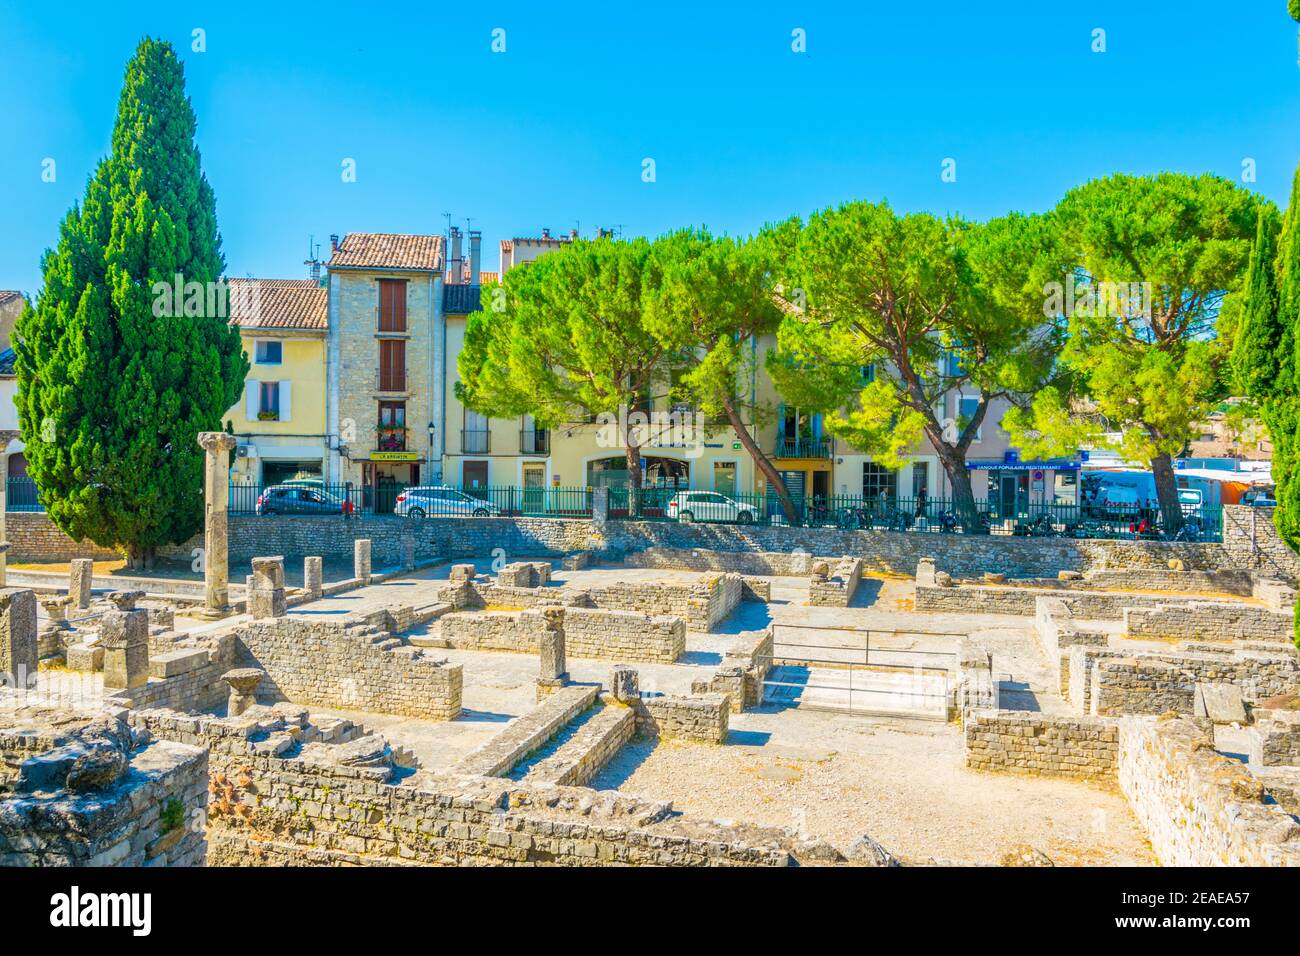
<point>845,512</point>
<point>926,515</point>
<point>309,497</point>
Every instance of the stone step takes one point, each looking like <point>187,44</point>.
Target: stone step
<point>576,754</point>
<point>527,733</point>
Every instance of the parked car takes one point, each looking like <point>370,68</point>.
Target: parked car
<point>300,500</point>
<point>707,506</point>
<point>440,501</point>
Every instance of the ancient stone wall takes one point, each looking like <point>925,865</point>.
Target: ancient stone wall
<point>1057,632</point>
<point>1252,541</point>
<point>1210,621</point>
<point>1150,683</point>
<point>1000,599</point>
<point>108,800</point>
<point>350,665</point>
<point>588,632</point>
<point>702,718</point>
<point>1198,807</point>
<point>837,588</point>
<point>34,538</point>
<point>1081,748</point>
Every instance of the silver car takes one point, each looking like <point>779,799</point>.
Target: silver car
<point>441,501</point>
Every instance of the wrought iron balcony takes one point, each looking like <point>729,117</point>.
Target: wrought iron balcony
<point>475,441</point>
<point>803,447</point>
<point>534,441</point>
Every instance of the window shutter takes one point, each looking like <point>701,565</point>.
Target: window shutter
<point>252,400</point>
<point>284,401</point>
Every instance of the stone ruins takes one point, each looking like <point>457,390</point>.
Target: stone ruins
<point>666,702</point>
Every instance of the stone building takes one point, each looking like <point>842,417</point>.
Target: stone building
<point>387,362</point>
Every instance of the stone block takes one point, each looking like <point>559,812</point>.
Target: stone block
<point>268,573</point>
<point>124,635</point>
<point>18,636</point>
<point>80,580</point>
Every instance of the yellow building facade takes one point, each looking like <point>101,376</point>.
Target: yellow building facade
<point>279,421</point>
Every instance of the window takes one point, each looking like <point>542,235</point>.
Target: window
<point>392,426</point>
<point>268,408</point>
<point>878,481</point>
<point>475,436</point>
<point>868,373</point>
<point>966,409</point>
<point>392,365</point>
<point>392,305</point>
<point>268,352</point>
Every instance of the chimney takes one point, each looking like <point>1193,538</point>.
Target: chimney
<point>546,233</point>
<point>475,255</point>
<point>455,264</point>
<point>573,234</point>
<point>334,242</point>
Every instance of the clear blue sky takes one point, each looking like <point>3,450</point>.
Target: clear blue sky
<point>553,131</point>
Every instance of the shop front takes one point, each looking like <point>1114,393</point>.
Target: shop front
<point>1018,490</point>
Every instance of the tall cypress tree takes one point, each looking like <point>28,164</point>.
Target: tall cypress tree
<point>127,354</point>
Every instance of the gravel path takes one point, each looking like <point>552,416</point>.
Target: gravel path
<point>838,777</point>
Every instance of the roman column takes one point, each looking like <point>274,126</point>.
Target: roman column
<point>216,494</point>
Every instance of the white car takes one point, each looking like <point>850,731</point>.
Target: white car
<point>440,501</point>
<point>708,506</point>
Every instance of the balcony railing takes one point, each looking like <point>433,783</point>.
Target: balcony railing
<point>534,442</point>
<point>390,438</point>
<point>803,447</point>
<point>475,441</point>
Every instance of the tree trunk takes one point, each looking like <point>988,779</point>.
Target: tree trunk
<point>1171,511</point>
<point>963,496</point>
<point>633,477</point>
<point>762,462</point>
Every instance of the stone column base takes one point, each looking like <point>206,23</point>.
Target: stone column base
<point>549,685</point>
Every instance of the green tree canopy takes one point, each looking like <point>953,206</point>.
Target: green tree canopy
<point>567,338</point>
<point>1156,257</point>
<point>927,308</point>
<point>114,380</point>
<point>714,300</point>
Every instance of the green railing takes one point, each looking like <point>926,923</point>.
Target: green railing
<point>309,497</point>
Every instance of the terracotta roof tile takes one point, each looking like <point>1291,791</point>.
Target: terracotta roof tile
<point>383,250</point>
<point>278,304</point>
<point>9,295</point>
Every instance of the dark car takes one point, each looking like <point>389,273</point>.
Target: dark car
<point>300,500</point>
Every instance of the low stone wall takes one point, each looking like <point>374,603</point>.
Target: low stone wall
<point>1121,683</point>
<point>623,635</point>
<point>837,588</point>
<point>34,538</point>
<point>882,551</point>
<point>1080,748</point>
<point>592,746</point>
<point>588,632</point>
<point>702,718</point>
<point>1275,735</point>
<point>744,667</point>
<point>1235,582</point>
<point>1210,621</point>
<point>350,665</point>
<point>1057,632</point>
<point>1199,808</point>
<point>702,605</point>
<point>998,599</point>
